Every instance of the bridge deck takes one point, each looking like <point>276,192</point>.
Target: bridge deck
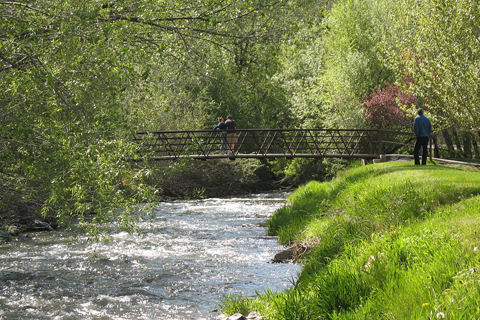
<point>268,143</point>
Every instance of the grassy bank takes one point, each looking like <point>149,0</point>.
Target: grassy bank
<point>386,241</point>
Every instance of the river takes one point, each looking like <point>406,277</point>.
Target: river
<point>192,253</point>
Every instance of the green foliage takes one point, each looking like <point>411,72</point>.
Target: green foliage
<point>343,63</point>
<point>436,45</point>
<point>190,178</point>
<point>299,171</point>
<point>292,304</point>
<point>237,304</point>
<point>289,221</point>
<point>78,79</point>
<point>352,67</point>
<point>224,70</point>
<point>301,62</point>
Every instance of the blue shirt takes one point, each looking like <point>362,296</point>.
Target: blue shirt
<point>422,126</point>
<point>221,126</point>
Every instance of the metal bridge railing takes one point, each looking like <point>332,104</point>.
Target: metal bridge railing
<point>270,143</point>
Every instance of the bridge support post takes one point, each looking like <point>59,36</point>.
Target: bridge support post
<point>367,161</point>
<point>383,158</point>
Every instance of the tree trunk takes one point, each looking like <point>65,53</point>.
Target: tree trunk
<point>475,144</point>
<point>458,143</point>
<point>449,143</point>
<point>467,144</point>
<point>436,150</point>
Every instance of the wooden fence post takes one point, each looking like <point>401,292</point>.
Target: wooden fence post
<point>380,142</point>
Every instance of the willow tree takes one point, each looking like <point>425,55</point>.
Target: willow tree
<point>67,72</point>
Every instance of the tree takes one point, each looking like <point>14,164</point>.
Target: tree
<point>209,80</point>
<point>333,61</point>
<point>436,42</point>
<point>74,79</point>
<point>386,108</point>
<point>352,68</point>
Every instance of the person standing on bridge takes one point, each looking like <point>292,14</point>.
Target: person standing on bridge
<point>231,134</point>
<point>422,128</point>
<point>223,134</point>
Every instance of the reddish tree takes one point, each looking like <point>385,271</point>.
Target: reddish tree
<point>382,108</point>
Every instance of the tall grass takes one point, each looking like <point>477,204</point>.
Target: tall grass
<point>392,241</point>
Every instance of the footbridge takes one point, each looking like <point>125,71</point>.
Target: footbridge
<point>273,143</point>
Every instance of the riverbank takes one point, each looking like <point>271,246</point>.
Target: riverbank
<point>181,179</point>
<point>389,238</point>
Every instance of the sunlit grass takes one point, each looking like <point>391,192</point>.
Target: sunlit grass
<point>392,241</point>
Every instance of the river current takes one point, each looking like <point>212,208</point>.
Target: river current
<point>192,254</point>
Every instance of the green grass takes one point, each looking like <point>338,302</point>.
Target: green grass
<point>388,241</point>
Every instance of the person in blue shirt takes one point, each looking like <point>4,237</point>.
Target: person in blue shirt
<point>422,127</point>
<point>223,134</point>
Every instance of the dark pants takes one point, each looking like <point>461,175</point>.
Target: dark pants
<point>422,142</point>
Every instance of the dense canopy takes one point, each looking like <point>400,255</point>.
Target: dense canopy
<point>78,78</point>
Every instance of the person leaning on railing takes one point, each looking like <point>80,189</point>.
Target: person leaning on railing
<point>422,127</point>
<point>231,134</point>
